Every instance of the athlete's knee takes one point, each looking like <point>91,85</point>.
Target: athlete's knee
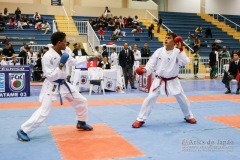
<point>80,102</point>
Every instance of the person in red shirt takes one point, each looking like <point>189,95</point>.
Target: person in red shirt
<point>101,33</point>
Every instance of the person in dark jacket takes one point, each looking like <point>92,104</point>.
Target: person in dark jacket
<point>145,53</point>
<point>159,24</point>
<point>38,69</point>
<point>18,13</point>
<point>233,70</point>
<point>126,61</point>
<point>23,54</point>
<point>78,51</point>
<point>104,63</point>
<point>104,51</point>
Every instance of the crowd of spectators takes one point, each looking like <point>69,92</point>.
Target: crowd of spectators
<point>109,23</point>
<point>17,20</point>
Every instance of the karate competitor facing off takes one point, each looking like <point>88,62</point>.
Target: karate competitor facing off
<point>56,67</point>
<point>166,62</point>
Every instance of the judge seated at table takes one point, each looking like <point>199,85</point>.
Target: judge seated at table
<point>104,63</point>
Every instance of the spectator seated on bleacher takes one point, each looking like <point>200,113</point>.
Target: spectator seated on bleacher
<point>101,25</point>
<point>208,32</point>
<point>114,37</point>
<point>111,25</point>
<point>117,22</point>
<point>22,22</point>
<point>13,22</point>
<point>118,32</point>
<point>101,33</point>
<point>37,18</point>
<point>28,20</point>
<point>198,31</point>
<point>8,51</point>
<point>14,61</point>
<point>138,29</point>
<point>2,62</point>
<point>45,26</point>
<point>5,14</point>
<point>17,13</point>
<point>105,23</point>
<point>129,22</point>
<point>121,20</point>
<point>136,21</point>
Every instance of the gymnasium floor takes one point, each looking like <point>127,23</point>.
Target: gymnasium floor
<point>164,136</point>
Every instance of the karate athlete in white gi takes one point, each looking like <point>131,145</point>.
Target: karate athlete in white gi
<point>114,59</point>
<point>137,58</point>
<point>165,62</point>
<point>56,66</point>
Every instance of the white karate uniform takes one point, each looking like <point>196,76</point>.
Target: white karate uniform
<point>32,58</point>
<point>166,63</point>
<point>50,92</point>
<point>137,58</point>
<point>114,60</point>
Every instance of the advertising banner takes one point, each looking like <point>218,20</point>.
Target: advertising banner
<point>14,81</point>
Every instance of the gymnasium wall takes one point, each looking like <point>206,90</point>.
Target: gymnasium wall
<point>211,6</point>
<point>75,7</point>
<point>187,6</point>
<point>223,6</point>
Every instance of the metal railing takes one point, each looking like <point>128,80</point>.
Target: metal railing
<point>54,26</point>
<point>83,27</point>
<point>93,39</point>
<point>118,49</point>
<point>150,16</point>
<point>37,47</point>
<point>224,18</point>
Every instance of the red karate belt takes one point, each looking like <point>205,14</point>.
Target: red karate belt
<point>163,79</point>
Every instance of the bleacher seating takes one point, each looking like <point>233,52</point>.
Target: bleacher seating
<point>130,37</point>
<point>183,23</point>
<point>17,37</point>
<point>234,18</point>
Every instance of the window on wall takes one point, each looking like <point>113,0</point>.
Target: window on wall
<point>56,2</point>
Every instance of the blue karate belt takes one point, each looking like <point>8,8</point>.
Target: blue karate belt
<point>62,82</point>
